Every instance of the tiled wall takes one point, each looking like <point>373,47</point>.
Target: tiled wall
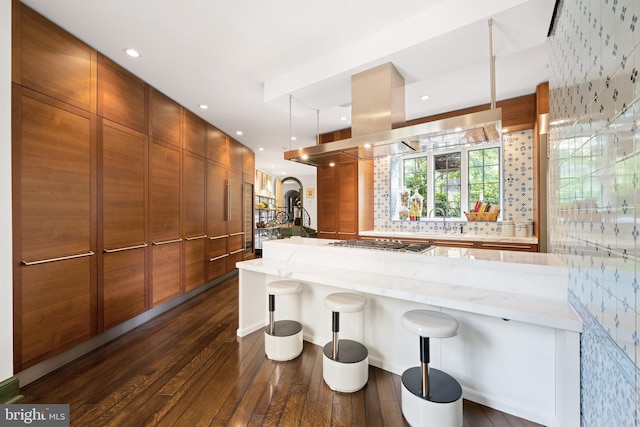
<point>517,186</point>
<point>595,197</point>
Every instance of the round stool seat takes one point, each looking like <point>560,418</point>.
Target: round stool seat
<point>345,302</point>
<point>429,323</point>
<point>283,287</point>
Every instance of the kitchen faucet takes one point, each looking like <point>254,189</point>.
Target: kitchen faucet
<point>444,225</point>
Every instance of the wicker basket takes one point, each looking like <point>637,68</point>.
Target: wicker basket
<point>482,216</point>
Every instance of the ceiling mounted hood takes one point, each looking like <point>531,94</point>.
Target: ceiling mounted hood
<point>474,128</point>
<point>378,117</point>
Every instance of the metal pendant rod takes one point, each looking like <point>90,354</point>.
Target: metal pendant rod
<point>290,121</point>
<point>492,65</point>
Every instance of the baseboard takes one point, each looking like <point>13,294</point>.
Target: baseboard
<point>10,391</point>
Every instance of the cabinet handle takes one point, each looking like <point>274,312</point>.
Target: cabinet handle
<point>235,252</point>
<point>218,237</point>
<point>347,234</point>
<point>110,251</point>
<point>236,234</point>
<point>204,236</point>
<point>63,258</point>
<point>165,242</point>
<point>492,245</point>
<point>228,200</point>
<point>218,257</point>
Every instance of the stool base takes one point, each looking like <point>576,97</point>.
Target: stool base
<point>285,343</point>
<point>350,371</point>
<point>443,406</point>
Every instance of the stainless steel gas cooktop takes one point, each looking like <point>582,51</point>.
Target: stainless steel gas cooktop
<point>384,245</point>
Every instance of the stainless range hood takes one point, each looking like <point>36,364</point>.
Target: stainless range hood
<point>473,128</point>
<point>377,117</point>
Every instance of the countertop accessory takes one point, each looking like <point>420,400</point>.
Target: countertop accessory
<point>430,396</point>
<point>282,338</point>
<point>482,216</point>
<point>345,363</point>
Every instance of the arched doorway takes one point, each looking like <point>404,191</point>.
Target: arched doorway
<point>291,199</point>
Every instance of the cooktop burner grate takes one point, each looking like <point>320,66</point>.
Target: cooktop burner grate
<point>383,245</point>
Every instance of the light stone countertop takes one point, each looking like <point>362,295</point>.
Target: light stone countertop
<point>522,286</point>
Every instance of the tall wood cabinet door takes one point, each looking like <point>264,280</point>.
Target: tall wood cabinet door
<point>51,61</point>
<point>236,152</point>
<point>194,136</point>
<point>217,213</point>
<point>236,218</point>
<point>327,202</point>
<point>193,225</point>
<point>164,222</point>
<point>248,166</point>
<point>54,208</point>
<point>122,97</point>
<point>347,202</point>
<point>217,146</point>
<point>165,118</point>
<point>122,236</point>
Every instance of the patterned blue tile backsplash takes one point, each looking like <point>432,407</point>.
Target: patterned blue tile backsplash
<point>517,201</point>
<point>595,197</point>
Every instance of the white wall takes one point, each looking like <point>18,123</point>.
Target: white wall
<point>310,203</point>
<point>6,277</point>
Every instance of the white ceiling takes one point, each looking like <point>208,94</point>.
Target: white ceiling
<point>245,58</point>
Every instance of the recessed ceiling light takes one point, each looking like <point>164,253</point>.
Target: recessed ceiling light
<point>343,118</point>
<point>204,106</point>
<point>424,97</point>
<point>260,149</point>
<point>293,138</point>
<point>305,157</point>
<point>332,164</point>
<point>132,52</point>
<point>239,132</point>
<point>367,145</point>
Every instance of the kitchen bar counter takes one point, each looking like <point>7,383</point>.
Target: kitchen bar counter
<point>518,346</point>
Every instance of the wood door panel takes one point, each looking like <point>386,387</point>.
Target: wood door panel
<point>164,118</point>
<point>57,308</point>
<point>235,242</point>
<point>248,165</point>
<point>235,200</point>
<point>52,61</point>
<point>235,257</point>
<point>217,267</point>
<point>347,189</point>
<point>217,146</point>
<point>122,97</point>
<point>216,200</point>
<point>217,247</point>
<point>164,206</point>
<point>123,288</point>
<point>194,133</point>
<point>194,263</point>
<point>235,154</point>
<point>327,202</point>
<point>53,152</point>
<point>124,154</point>
<point>165,269</point>
<point>194,195</point>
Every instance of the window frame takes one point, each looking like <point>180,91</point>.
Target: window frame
<point>464,176</point>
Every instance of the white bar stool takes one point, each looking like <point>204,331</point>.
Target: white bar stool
<point>282,338</point>
<point>430,397</point>
<point>345,363</point>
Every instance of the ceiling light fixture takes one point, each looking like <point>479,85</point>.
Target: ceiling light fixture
<point>239,132</point>
<point>132,52</point>
<point>343,118</point>
<point>293,138</point>
<point>424,97</point>
<point>204,106</point>
<point>260,149</point>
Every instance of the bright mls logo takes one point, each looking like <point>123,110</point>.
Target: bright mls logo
<point>34,415</point>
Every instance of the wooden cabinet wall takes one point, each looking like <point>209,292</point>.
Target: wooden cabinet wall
<point>116,189</point>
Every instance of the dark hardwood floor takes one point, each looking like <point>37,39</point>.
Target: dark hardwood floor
<point>188,368</point>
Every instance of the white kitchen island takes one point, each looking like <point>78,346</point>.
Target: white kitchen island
<point>518,346</point>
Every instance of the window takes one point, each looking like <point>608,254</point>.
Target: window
<point>447,185</point>
<point>450,182</point>
<point>484,176</point>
